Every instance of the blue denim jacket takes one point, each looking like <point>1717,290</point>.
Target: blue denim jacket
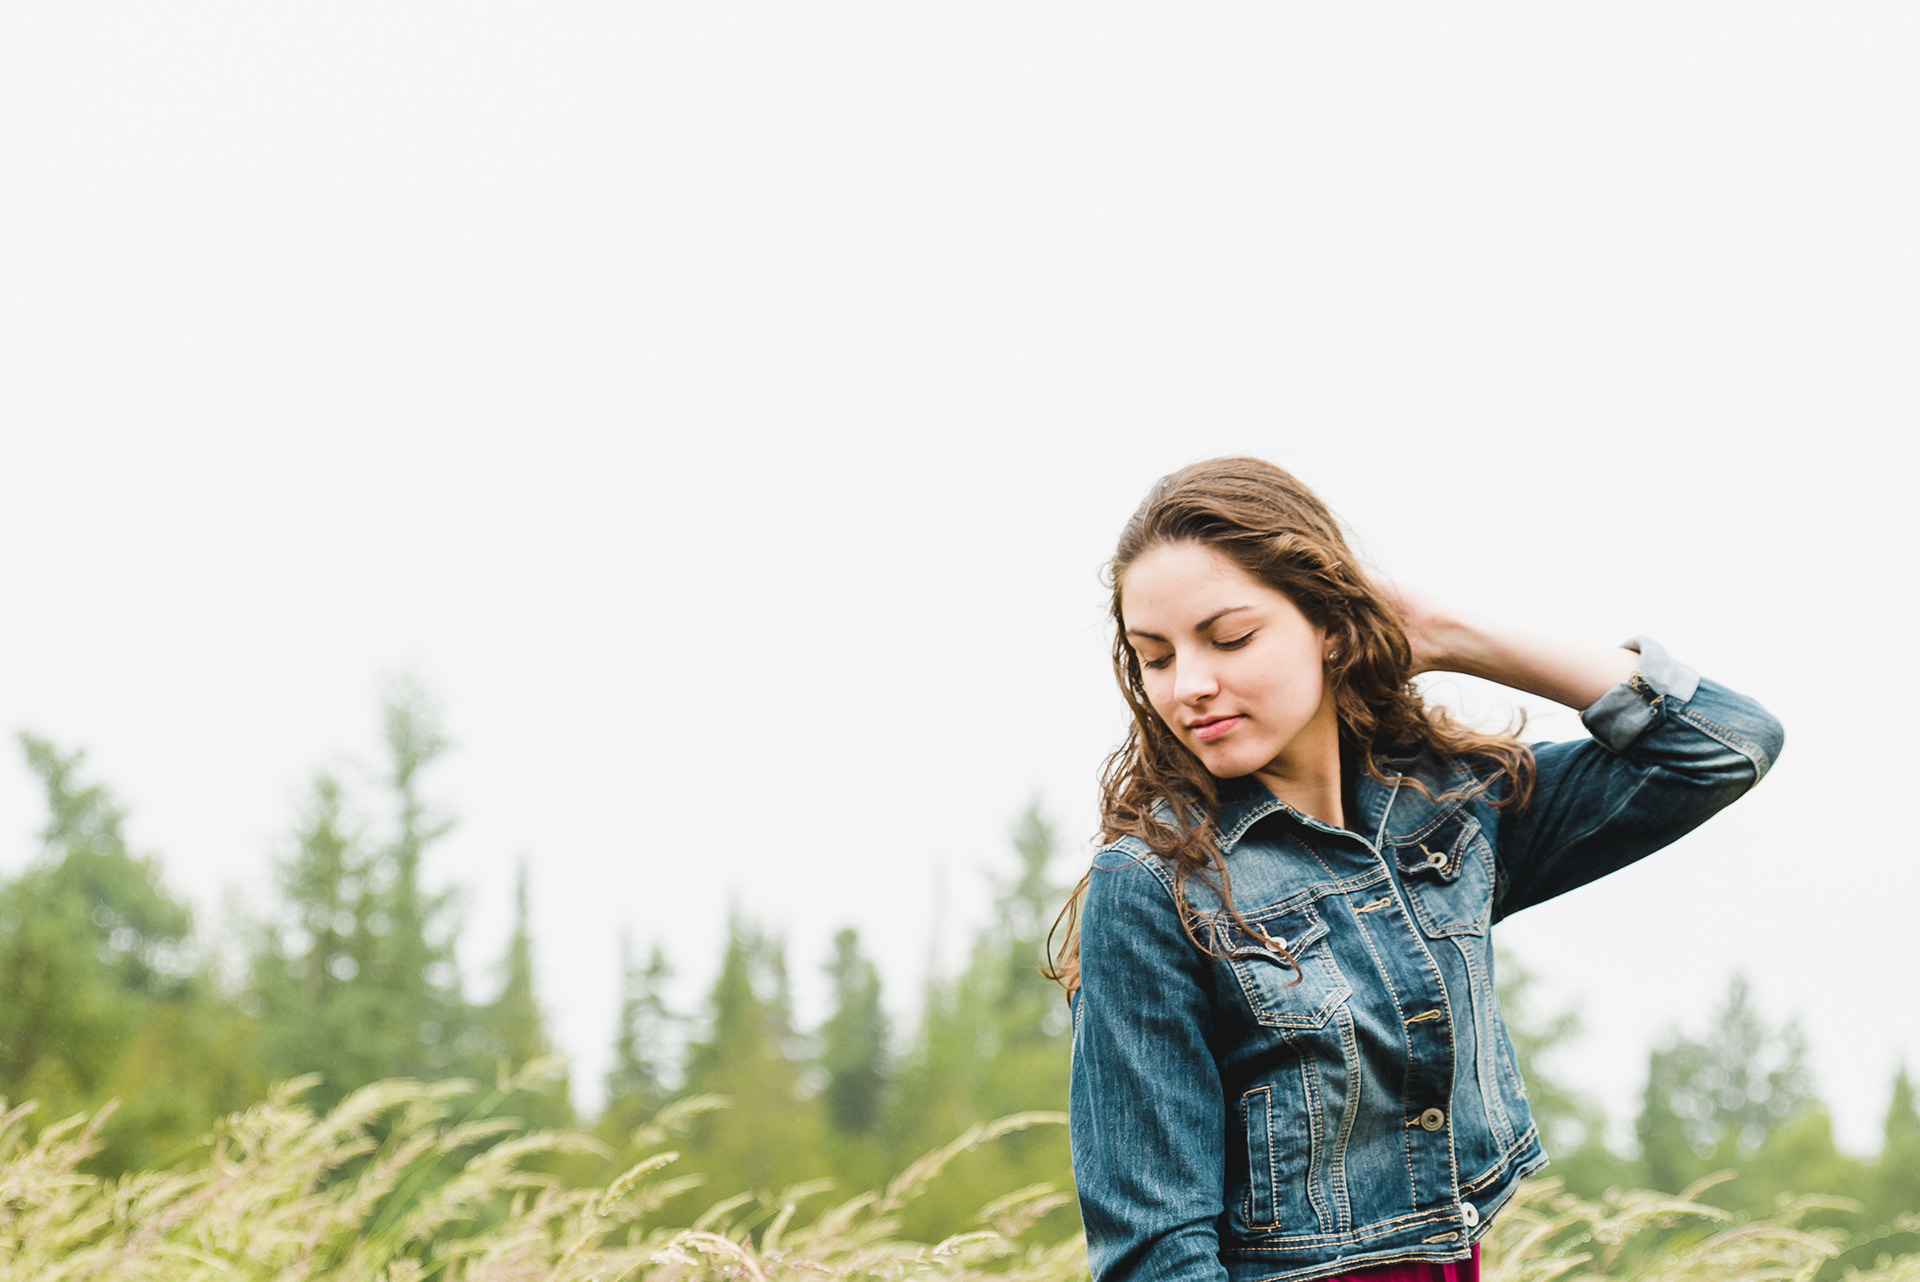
<point>1228,1122</point>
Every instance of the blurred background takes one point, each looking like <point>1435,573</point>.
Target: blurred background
<point>481,485</point>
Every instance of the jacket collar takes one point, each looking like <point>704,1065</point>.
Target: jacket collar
<point>1387,814</point>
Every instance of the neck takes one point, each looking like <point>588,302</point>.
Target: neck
<point>1307,775</point>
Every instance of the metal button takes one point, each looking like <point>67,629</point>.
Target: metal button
<point>1469,1216</point>
<point>1436,861</point>
<point>1433,1119</point>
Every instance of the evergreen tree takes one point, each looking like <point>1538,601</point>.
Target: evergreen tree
<point>769,1135</point>
<point>514,1020</point>
<point>410,985</point>
<point>99,995</point>
<point>1897,1174</point>
<point>853,1041</point>
<point>642,1043</point>
<point>1713,1103</point>
<point>514,1028</point>
<point>1799,1157</point>
<point>992,1042</point>
<point>645,1044</point>
<point>301,975</point>
<point>320,886</point>
<point>359,982</point>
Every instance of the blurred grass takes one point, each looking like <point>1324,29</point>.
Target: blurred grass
<point>405,1181</point>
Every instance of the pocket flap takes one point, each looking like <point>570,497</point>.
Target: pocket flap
<point>1437,853</point>
<point>1294,931</point>
<point>1296,989</point>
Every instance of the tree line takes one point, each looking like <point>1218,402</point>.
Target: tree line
<point>107,992</point>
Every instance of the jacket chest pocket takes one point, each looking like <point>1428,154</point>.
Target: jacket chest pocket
<point>1448,873</point>
<point>1300,994</point>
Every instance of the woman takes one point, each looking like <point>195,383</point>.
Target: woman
<point>1289,1060</point>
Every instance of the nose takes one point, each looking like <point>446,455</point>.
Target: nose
<point>1194,682</point>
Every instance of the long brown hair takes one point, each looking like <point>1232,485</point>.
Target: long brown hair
<point>1265,521</point>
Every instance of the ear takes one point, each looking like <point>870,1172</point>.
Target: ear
<point>1337,641</point>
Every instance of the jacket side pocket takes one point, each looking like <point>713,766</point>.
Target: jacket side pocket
<point>1256,1106</point>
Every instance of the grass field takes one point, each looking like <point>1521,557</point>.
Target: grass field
<point>398,1184</point>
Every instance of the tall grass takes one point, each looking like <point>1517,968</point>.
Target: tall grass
<point>406,1181</point>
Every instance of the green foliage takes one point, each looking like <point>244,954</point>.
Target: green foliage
<point>856,1065</point>
<point>405,1181</point>
<point>770,1135</point>
<point>359,982</point>
<point>102,996</point>
<point>1717,1101</point>
<point>99,995</point>
<point>854,1041</point>
<point>993,1041</point>
<point>643,1040</point>
<point>1897,1175</point>
<point>513,1031</point>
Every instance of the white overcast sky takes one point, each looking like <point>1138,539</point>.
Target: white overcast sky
<point>725,410</point>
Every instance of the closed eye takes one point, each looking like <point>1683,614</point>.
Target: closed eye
<point>1234,644</point>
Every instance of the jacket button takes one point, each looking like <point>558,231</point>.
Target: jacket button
<point>1433,1119</point>
<point>1469,1216</point>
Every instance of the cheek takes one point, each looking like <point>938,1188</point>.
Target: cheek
<point>1292,691</point>
<point>1159,688</point>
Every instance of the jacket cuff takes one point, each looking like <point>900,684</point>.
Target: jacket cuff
<point>1619,716</point>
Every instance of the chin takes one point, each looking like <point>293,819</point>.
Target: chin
<point>1228,765</point>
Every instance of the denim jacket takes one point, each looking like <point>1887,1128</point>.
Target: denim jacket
<point>1231,1123</point>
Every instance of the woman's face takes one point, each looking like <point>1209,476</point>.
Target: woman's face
<point>1231,665</point>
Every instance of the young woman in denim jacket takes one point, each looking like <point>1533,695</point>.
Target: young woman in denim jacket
<point>1289,1060</point>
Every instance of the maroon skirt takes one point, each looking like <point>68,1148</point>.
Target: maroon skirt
<point>1467,1270</point>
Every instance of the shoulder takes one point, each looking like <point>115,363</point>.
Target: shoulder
<point>1128,879</point>
<point>1131,926</point>
<point>1454,776</point>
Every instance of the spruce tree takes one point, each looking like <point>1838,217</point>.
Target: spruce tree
<point>303,965</point>
<point>769,1135</point>
<point>358,981</point>
<point>515,1028</point>
<point>993,1041</point>
<point>1714,1102</point>
<point>644,1038</point>
<point>409,983</point>
<point>100,995</point>
<point>853,1042</point>
<point>1897,1173</point>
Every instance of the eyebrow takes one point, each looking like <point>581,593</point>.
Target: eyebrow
<point>1203,625</point>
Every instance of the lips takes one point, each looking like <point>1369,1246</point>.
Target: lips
<point>1207,729</point>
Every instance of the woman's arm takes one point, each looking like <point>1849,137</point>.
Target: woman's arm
<point>1573,673</point>
<point>1145,1107</point>
<point>1668,749</point>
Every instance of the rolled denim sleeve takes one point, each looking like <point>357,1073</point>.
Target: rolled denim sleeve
<point>1669,749</point>
<point>1145,1105</point>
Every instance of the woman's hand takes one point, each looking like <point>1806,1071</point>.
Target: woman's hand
<point>1432,630</point>
<point>1443,640</point>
